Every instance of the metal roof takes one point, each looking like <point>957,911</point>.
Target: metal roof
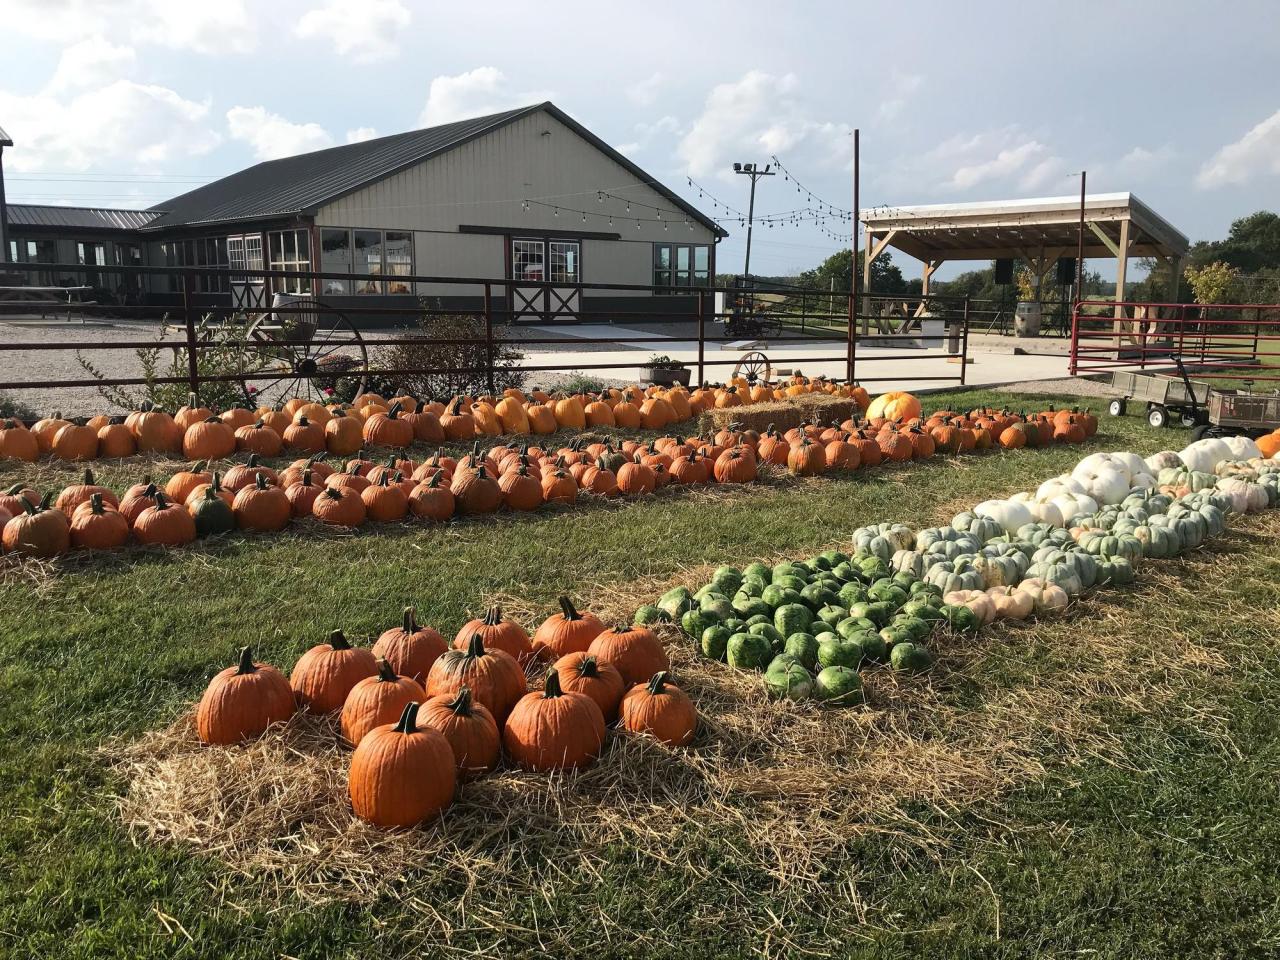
<point>993,229</point>
<point>4,139</point>
<point>77,218</point>
<point>301,184</point>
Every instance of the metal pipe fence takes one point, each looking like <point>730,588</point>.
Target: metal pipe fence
<point>300,338</point>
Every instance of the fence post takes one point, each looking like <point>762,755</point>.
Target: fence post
<point>189,316</point>
<point>964,342</point>
<point>851,337</point>
<point>702,335</point>
<point>488,334</point>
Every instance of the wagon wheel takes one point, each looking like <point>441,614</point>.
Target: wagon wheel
<point>276,372</point>
<point>754,366</point>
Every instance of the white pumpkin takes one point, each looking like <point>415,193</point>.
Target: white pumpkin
<point>1142,481</point>
<point>1106,485</point>
<point>975,600</point>
<point>1049,513</point>
<point>1162,461</point>
<point>1131,462</point>
<point>1242,448</point>
<point>1058,486</point>
<point>1204,455</point>
<point>1047,597</point>
<point>1092,464</point>
<point>1010,603</point>
<point>1010,514</point>
<point>1071,506</point>
<point>1246,496</point>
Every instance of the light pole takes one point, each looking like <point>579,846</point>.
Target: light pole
<point>750,170</point>
<point>4,210</point>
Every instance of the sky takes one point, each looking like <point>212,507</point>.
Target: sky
<point>129,102</point>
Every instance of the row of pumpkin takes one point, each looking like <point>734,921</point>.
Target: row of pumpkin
<point>299,426</point>
<point>1006,559</point>
<point>199,501</point>
<point>424,715</point>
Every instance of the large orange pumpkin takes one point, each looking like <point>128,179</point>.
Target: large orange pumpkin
<point>325,674</point>
<point>553,730</point>
<point>634,650</point>
<point>660,709</point>
<point>402,774</point>
<point>377,700</point>
<point>470,729</point>
<point>242,701</point>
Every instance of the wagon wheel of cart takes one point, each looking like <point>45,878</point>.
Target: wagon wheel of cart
<point>1116,408</point>
<point>321,351</point>
<point>1158,416</point>
<point>754,366</point>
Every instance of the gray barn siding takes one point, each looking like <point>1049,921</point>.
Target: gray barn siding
<point>483,182</point>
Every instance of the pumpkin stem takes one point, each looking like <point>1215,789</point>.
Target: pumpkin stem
<point>162,502</point>
<point>475,648</point>
<point>461,703</point>
<point>88,477</point>
<point>657,683</point>
<point>493,616</point>
<point>408,719</point>
<point>261,481</point>
<point>568,609</point>
<point>253,461</point>
<point>95,503</point>
<point>385,673</point>
<point>408,621</point>
<point>338,640</point>
<point>552,687</point>
<point>246,662</point>
<point>306,477</point>
<point>589,667</point>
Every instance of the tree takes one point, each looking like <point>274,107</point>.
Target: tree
<point>1252,244</point>
<point>886,278</point>
<point>1212,282</point>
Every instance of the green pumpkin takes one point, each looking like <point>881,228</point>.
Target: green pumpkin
<point>922,609</point>
<point>727,580</point>
<point>793,618</point>
<point>213,515</point>
<point>910,658</point>
<point>960,618</point>
<point>715,606</point>
<point>648,615</point>
<point>804,647</point>
<point>832,614</point>
<point>841,653</point>
<point>877,612</point>
<point>817,595</point>
<point>788,680</point>
<point>851,627</point>
<point>695,621</point>
<point>1118,571</point>
<point>675,602</point>
<point>747,607</point>
<point>758,570</point>
<point>748,651</point>
<point>769,632</point>
<point>838,686</point>
<point>852,593</point>
<point>714,642</point>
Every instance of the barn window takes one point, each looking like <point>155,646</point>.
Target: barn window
<point>290,250</point>
<point>678,265</point>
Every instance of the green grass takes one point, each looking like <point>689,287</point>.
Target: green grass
<point>1171,852</point>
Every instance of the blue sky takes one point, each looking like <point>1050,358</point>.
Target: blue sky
<point>129,101</point>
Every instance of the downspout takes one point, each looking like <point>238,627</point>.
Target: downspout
<point>4,207</point>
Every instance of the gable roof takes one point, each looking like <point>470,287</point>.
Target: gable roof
<point>77,218</point>
<point>302,183</point>
<point>5,141</point>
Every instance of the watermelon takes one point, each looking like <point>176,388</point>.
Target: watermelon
<point>793,618</point>
<point>838,686</point>
<point>758,570</point>
<point>727,580</point>
<point>788,680</point>
<point>748,651</point>
<point>921,609</point>
<point>695,621</point>
<point>758,618</point>
<point>817,595</point>
<point>752,586</point>
<point>841,653</point>
<point>877,612</point>
<point>831,615</point>
<point>910,657</point>
<point>852,593</point>
<point>850,628</point>
<point>886,591</point>
<point>715,642</point>
<point>675,602</point>
<point>716,606</point>
<point>747,607</point>
<point>804,647</point>
<point>961,619</point>
<point>874,647</point>
<point>769,632</point>
<point>649,614</point>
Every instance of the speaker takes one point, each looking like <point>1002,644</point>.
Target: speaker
<point>1066,271</point>
<point>1004,271</point>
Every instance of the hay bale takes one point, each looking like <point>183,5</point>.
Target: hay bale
<point>783,414</point>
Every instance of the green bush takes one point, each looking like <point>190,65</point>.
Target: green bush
<point>10,407</point>
<point>448,359</point>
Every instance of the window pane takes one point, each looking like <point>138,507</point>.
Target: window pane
<point>564,261</point>
<point>682,258</point>
<point>368,259</point>
<point>527,260</point>
<point>662,278</point>
<point>662,256</point>
<point>277,246</point>
<point>398,253</point>
<point>335,257</point>
<point>701,258</point>
<point>302,245</point>
<point>253,253</point>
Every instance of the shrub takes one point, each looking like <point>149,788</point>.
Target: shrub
<point>10,407</point>
<point>580,384</point>
<point>449,360</point>
<point>216,357</point>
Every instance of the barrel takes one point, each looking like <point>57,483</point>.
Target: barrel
<point>1026,320</point>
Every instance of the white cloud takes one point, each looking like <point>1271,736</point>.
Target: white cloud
<point>272,136</point>
<point>472,94</point>
<point>364,30</point>
<point>902,88</point>
<point>90,62</point>
<point>213,28</point>
<point>137,126</point>
<point>1002,162</point>
<point>628,149</point>
<point>645,92</point>
<point>754,116</point>
<point>1255,154</point>
<point>361,134</point>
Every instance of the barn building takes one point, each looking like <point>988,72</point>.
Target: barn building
<point>524,195</point>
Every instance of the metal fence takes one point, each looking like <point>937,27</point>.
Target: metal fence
<point>291,341</point>
<point>1239,341</point>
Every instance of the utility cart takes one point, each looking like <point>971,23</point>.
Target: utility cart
<point>1167,396</point>
<point>1240,412</point>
